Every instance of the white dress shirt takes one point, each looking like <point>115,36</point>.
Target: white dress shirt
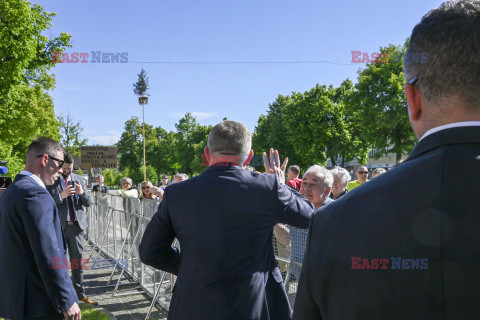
<point>34,177</point>
<point>451,125</point>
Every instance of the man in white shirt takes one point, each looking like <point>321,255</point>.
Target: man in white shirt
<point>34,286</point>
<point>406,245</point>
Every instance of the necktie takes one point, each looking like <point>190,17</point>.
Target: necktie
<point>71,213</point>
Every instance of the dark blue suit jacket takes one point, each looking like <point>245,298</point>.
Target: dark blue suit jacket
<point>30,236</point>
<point>224,221</point>
<point>423,217</point>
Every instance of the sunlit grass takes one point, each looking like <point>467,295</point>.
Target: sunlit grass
<point>89,313</point>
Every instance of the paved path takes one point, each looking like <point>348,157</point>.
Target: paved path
<point>125,307</point>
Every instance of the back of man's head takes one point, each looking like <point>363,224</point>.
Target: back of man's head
<point>230,138</point>
<point>444,53</point>
<point>294,169</point>
<point>40,146</point>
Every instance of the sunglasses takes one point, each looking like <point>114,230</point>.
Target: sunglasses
<point>145,187</point>
<point>60,162</point>
<point>363,172</point>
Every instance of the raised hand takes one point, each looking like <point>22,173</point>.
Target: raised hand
<point>272,165</point>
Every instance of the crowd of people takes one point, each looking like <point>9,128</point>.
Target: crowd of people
<point>402,245</point>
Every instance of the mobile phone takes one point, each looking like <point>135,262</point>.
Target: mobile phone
<point>71,183</point>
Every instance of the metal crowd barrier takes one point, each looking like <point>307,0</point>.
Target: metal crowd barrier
<point>115,229</point>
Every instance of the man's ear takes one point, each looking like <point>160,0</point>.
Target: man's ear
<point>327,192</point>
<point>207,153</point>
<point>44,160</point>
<point>414,102</point>
<point>249,158</point>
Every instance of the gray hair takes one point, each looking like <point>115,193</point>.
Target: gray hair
<point>449,36</point>
<point>322,174</point>
<point>230,138</point>
<point>42,145</point>
<point>378,172</point>
<point>341,173</point>
<point>182,176</point>
<point>128,180</point>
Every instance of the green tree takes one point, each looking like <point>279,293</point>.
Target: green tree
<point>25,60</point>
<point>26,114</point>
<point>380,105</point>
<point>71,134</point>
<point>25,53</point>
<point>272,132</point>
<point>190,136</point>
<point>112,177</point>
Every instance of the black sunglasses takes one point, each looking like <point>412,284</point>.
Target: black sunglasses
<point>363,172</point>
<point>61,162</point>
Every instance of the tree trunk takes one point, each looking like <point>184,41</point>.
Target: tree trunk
<point>334,164</point>
<point>398,159</point>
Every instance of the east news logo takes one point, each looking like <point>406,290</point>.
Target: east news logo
<point>394,263</point>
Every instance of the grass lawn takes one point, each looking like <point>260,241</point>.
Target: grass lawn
<point>90,313</point>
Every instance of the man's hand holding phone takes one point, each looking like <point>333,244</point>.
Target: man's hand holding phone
<point>68,191</point>
<point>78,188</point>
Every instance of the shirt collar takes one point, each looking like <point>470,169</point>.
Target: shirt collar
<point>450,125</point>
<point>33,177</point>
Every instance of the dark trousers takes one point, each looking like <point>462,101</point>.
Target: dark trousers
<point>74,240</point>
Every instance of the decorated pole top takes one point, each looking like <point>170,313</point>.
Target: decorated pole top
<point>140,88</point>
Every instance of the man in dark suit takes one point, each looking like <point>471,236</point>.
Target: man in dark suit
<point>31,240</point>
<point>69,193</point>
<point>406,245</point>
<point>224,221</point>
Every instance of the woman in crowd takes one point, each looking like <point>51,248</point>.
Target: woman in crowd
<point>147,191</point>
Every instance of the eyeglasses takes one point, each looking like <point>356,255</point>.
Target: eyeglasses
<point>164,178</point>
<point>60,162</point>
<point>363,172</point>
<point>413,80</point>
<point>146,187</point>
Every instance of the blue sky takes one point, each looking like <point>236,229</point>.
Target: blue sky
<point>161,35</point>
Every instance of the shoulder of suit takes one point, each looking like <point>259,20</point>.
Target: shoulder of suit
<point>29,187</point>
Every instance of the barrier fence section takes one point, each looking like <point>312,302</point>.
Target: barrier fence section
<point>115,228</point>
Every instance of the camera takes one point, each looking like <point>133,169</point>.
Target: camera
<point>4,181</point>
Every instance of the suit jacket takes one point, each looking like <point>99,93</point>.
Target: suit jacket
<point>224,221</point>
<point>405,245</point>
<point>30,239</point>
<point>78,201</point>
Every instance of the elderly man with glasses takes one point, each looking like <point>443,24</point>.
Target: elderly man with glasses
<point>362,174</point>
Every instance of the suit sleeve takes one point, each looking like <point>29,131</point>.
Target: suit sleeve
<point>292,207</point>
<point>305,307</point>
<point>38,215</point>
<point>156,247</point>
<point>85,197</point>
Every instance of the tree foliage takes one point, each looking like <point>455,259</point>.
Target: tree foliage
<point>140,88</point>
<point>25,60</point>
<point>380,105</point>
<point>311,127</point>
<point>166,151</point>
<point>71,134</point>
